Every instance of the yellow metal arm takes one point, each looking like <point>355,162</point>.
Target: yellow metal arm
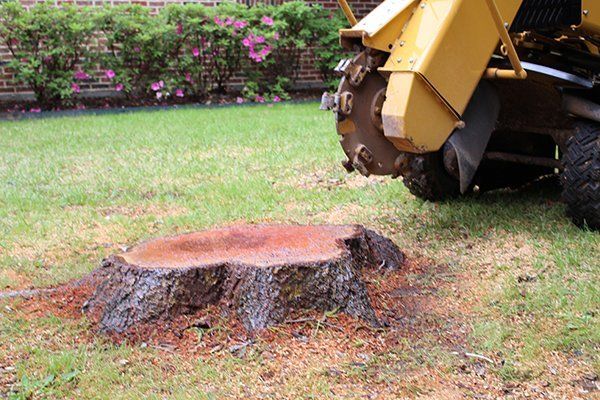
<point>348,12</point>
<point>518,71</point>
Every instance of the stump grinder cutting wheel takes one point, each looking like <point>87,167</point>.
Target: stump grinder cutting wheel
<point>437,94</point>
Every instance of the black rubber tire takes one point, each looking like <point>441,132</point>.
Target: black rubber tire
<point>581,176</point>
<point>427,178</point>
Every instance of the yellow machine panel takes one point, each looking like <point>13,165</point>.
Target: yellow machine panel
<point>408,94</point>
<point>590,20</point>
<point>380,29</point>
<point>442,37</point>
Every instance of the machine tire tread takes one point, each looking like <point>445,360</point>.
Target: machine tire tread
<point>427,178</point>
<point>581,176</point>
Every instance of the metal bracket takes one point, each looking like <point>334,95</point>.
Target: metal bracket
<point>339,103</point>
<point>362,158</point>
<point>353,71</point>
<point>343,103</point>
<point>327,101</point>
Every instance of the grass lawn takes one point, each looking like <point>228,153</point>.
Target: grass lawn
<point>514,280</point>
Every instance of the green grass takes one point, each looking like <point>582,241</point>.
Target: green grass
<point>73,190</point>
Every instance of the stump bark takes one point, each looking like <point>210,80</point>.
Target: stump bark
<point>262,272</point>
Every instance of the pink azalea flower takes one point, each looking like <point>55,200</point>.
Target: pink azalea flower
<point>161,84</point>
<point>259,99</point>
<point>228,21</point>
<point>276,36</point>
<point>276,99</point>
<point>158,95</point>
<point>265,51</point>
<point>195,52</point>
<point>75,88</point>
<point>267,20</point>
<point>119,87</point>
<point>240,24</point>
<point>260,39</point>
<point>80,75</point>
<point>188,77</point>
<point>35,110</point>
<point>246,42</point>
<point>239,100</point>
<point>255,56</point>
<point>218,21</point>
<point>179,29</point>
<point>155,86</point>
<point>110,73</point>
<point>179,93</point>
<point>137,49</point>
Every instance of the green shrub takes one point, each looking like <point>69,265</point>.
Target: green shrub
<point>327,51</point>
<point>46,44</point>
<point>284,33</point>
<point>188,67</point>
<point>224,42</point>
<point>186,50</point>
<point>139,48</point>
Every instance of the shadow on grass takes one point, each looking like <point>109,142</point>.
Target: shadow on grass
<point>534,208</point>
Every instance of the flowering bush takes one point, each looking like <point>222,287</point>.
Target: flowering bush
<point>139,48</point>
<point>184,51</point>
<point>327,51</point>
<point>285,32</point>
<point>224,42</point>
<point>46,44</point>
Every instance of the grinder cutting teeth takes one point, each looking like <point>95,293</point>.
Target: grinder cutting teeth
<point>357,105</point>
<point>438,94</point>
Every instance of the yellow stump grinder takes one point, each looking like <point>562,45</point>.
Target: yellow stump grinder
<point>457,95</point>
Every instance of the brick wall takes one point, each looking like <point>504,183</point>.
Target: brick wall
<point>309,76</point>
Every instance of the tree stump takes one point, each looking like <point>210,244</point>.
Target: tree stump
<point>262,272</point>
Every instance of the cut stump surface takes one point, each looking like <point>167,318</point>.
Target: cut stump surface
<point>262,272</point>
